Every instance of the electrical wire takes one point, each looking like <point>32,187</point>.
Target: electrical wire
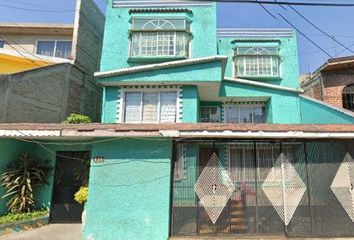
<point>279,3</point>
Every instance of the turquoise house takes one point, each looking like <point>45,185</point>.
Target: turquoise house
<point>204,133</point>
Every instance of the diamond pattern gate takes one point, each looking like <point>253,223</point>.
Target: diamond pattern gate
<point>296,189</point>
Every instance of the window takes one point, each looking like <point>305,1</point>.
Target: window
<point>160,38</point>
<point>2,43</point>
<point>180,171</point>
<point>150,107</point>
<point>257,61</point>
<point>245,114</point>
<point>53,48</point>
<point>210,114</point>
<point>348,97</point>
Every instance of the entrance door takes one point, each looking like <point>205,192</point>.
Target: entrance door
<point>71,172</point>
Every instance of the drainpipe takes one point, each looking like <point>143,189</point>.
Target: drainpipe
<point>321,84</point>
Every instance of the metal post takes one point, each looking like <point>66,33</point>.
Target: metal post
<point>308,187</point>
<point>256,181</point>
<point>284,201</point>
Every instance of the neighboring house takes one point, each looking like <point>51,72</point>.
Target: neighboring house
<point>333,83</point>
<point>205,132</point>
<point>46,70</point>
<point>25,46</point>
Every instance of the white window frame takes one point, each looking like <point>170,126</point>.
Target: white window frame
<point>142,91</point>
<point>55,44</point>
<point>226,112</point>
<point>235,72</point>
<point>189,53</point>
<point>219,113</point>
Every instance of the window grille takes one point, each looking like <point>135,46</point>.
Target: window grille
<point>150,107</point>
<point>160,38</point>
<point>180,171</point>
<point>348,97</point>
<point>257,61</point>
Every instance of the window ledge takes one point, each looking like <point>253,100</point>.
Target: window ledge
<point>262,78</point>
<point>154,59</point>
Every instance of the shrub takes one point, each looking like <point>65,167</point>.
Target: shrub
<point>21,179</point>
<point>15,217</point>
<point>75,118</point>
<point>81,195</point>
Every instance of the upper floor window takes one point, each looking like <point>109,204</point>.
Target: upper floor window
<point>160,38</point>
<point>348,97</point>
<point>150,107</point>
<point>54,48</point>
<point>210,114</point>
<point>245,114</point>
<point>2,43</point>
<point>257,61</point>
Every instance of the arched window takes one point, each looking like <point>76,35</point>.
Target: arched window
<point>348,97</point>
<point>160,37</point>
<point>257,61</point>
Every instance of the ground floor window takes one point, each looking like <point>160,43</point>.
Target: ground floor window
<point>150,107</point>
<point>210,114</point>
<point>245,113</point>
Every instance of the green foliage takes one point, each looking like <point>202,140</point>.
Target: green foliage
<point>81,171</point>
<point>15,217</point>
<point>81,195</point>
<point>75,118</point>
<point>21,179</point>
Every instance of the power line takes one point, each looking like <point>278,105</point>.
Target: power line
<point>279,3</point>
<point>35,5</point>
<point>319,29</point>
<point>34,10</point>
<point>304,35</point>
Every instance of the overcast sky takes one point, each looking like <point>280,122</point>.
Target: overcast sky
<point>338,22</point>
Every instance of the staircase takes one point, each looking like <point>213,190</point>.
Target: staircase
<point>237,217</point>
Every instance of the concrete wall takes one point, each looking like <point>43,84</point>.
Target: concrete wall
<point>129,193</point>
<point>313,112</point>
<point>47,95</point>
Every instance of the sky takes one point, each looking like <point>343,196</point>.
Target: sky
<point>337,22</point>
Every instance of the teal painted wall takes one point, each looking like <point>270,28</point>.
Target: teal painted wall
<point>283,107</point>
<point>190,104</point>
<point>110,104</point>
<point>10,150</point>
<point>129,194</point>
<point>115,51</point>
<point>289,66</point>
<point>315,113</point>
<point>200,72</point>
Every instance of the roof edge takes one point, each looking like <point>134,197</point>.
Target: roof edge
<point>266,85</point>
<point>157,66</point>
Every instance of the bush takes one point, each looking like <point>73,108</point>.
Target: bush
<point>15,217</point>
<point>21,179</point>
<point>77,118</point>
<point>81,195</point>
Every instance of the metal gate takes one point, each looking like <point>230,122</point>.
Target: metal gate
<point>296,189</point>
<point>71,172</point>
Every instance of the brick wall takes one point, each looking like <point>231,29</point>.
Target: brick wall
<point>334,83</point>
